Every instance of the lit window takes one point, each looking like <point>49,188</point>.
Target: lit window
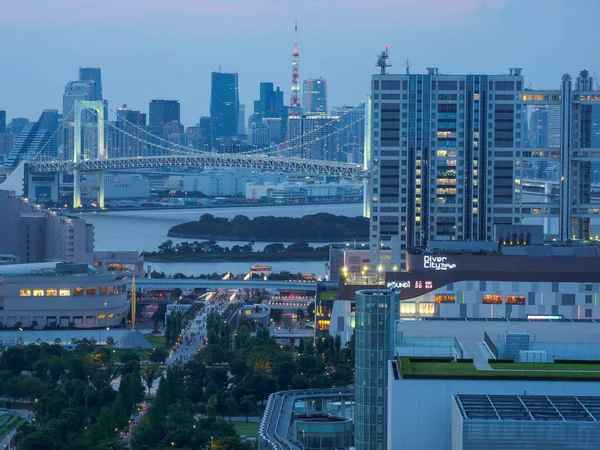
<point>111,316</point>
<point>408,308</point>
<point>90,291</point>
<point>111,290</point>
<point>426,309</point>
<point>445,298</point>
<point>492,299</point>
<point>102,290</point>
<point>64,292</point>
<point>515,299</point>
<point>51,293</point>
<point>101,316</point>
<point>38,292</point>
<point>78,291</point>
<point>25,292</point>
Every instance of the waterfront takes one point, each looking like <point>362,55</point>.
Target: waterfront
<point>146,230</point>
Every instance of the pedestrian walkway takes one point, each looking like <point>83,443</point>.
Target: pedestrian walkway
<point>478,353</point>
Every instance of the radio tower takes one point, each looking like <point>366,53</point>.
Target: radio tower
<point>295,99</point>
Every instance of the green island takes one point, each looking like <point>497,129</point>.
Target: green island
<point>322,227</point>
<point>211,251</point>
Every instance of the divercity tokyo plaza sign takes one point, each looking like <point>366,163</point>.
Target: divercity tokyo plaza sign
<point>437,263</point>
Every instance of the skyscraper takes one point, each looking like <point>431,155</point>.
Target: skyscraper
<point>270,110</point>
<point>351,137</point>
<point>36,139</point>
<point>161,113</point>
<point>129,126</point>
<point>314,96</point>
<point>94,75</point>
<point>2,121</point>
<point>224,104</point>
<point>313,137</point>
<point>376,311</point>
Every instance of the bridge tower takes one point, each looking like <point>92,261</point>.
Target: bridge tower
<point>80,107</point>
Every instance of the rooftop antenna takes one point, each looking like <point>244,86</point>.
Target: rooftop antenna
<point>407,65</point>
<point>220,68</point>
<point>382,60</point>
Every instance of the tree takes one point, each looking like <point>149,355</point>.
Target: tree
<point>274,248</point>
<point>150,372</point>
<point>57,341</point>
<point>247,404</point>
<point>231,406</point>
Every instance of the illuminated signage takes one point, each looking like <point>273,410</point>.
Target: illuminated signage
<point>398,285</point>
<point>543,317</point>
<point>418,284</point>
<point>437,263</point>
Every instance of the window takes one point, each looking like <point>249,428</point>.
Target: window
<point>111,290</point>
<point>407,308</point>
<point>102,290</point>
<point>38,292</point>
<point>90,291</point>
<point>101,316</point>
<point>492,299</point>
<point>111,316</point>
<point>25,292</point>
<point>426,309</point>
<point>78,291</point>
<point>51,293</point>
<point>445,298</point>
<point>65,292</point>
<point>515,299</point>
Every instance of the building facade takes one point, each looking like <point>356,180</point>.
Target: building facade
<point>162,112</point>
<point>224,104</point>
<point>314,96</point>
<point>448,153</point>
<point>313,137</point>
<point>375,313</point>
<point>59,295</point>
<point>36,139</point>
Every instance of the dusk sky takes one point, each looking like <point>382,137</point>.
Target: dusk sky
<point>167,48</point>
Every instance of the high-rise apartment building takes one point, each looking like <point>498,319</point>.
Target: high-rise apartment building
<point>447,158</point>
<point>224,104</point>
<point>314,96</point>
<point>313,137</point>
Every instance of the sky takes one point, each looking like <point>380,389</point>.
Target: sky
<point>167,48</point>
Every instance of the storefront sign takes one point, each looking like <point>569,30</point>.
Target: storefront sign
<point>437,263</point>
<point>398,285</point>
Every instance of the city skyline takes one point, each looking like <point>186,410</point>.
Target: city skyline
<point>159,42</point>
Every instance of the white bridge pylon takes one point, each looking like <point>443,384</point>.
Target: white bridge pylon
<point>101,154</point>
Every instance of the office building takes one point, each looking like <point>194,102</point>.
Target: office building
<point>447,153</point>
<point>314,96</point>
<point>2,121</point>
<point>242,120</point>
<point>313,137</point>
<point>351,135</point>
<point>17,124</point>
<point>36,139</point>
<point>129,130</point>
<point>94,76</point>
<point>161,113</point>
<point>60,295</point>
<point>224,104</point>
<point>270,111</point>
<point>207,133</point>
<point>375,314</point>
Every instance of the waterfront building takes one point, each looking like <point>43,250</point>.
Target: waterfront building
<point>448,154</point>
<point>224,104</point>
<point>60,295</point>
<point>314,96</point>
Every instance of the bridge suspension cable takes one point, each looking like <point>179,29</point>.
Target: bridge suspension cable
<point>263,150</point>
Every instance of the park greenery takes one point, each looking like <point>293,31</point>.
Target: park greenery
<point>233,375</point>
<point>322,227</point>
<point>210,250</point>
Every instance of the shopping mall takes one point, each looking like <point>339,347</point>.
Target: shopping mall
<point>59,294</point>
<point>518,283</point>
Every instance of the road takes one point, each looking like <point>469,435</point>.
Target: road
<point>27,415</point>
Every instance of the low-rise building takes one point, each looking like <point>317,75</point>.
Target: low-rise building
<point>61,295</point>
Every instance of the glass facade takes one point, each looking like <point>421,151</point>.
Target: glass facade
<point>375,314</point>
<point>324,433</point>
